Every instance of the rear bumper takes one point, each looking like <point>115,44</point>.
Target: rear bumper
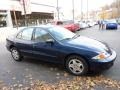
<point>75,29</point>
<point>100,65</point>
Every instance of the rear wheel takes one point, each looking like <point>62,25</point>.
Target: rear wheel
<point>76,65</point>
<point>16,54</point>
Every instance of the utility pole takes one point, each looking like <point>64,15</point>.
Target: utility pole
<point>73,10</point>
<point>81,9</point>
<point>87,9</point>
<point>58,10</point>
<point>25,18</point>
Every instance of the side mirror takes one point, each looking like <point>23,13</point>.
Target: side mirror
<point>50,41</point>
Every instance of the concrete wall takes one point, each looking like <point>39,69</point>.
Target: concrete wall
<point>45,6</point>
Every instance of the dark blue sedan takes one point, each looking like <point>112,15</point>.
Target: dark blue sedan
<point>77,53</point>
<point>111,24</point>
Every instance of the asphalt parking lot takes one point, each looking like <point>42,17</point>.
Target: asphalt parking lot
<point>28,70</point>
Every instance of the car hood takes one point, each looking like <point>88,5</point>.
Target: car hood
<point>87,43</point>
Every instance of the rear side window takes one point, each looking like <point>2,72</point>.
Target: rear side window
<point>26,34</point>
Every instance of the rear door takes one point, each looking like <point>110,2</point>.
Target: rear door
<point>23,41</point>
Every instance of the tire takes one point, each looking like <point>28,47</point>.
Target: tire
<point>76,65</point>
<point>16,54</point>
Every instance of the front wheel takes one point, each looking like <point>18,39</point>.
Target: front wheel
<point>76,65</point>
<point>16,54</point>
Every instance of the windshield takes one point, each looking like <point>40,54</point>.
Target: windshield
<point>61,33</point>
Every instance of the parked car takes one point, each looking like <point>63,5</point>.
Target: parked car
<point>118,21</point>
<point>95,22</point>
<point>70,25</point>
<point>90,23</point>
<point>111,24</point>
<point>3,24</point>
<point>77,53</point>
<point>82,24</point>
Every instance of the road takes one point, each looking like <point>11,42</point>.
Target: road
<point>112,37</point>
<point>28,70</point>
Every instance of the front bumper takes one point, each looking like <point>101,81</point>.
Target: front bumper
<point>8,47</point>
<point>99,65</point>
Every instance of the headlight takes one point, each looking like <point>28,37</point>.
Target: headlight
<point>101,56</point>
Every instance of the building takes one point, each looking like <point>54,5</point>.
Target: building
<point>37,12</point>
<point>108,14</point>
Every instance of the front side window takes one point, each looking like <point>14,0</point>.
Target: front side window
<point>41,35</point>
<point>26,34</point>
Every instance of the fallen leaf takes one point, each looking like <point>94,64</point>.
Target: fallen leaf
<point>20,85</point>
<point>65,74</point>
<point>51,69</point>
<point>14,78</point>
<point>15,85</point>
<point>58,77</point>
<point>58,74</point>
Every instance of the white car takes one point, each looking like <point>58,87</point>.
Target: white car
<point>83,25</point>
<point>90,23</point>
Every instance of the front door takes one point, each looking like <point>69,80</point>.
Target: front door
<point>41,48</point>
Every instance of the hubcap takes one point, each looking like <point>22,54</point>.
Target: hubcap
<point>15,54</point>
<point>76,66</point>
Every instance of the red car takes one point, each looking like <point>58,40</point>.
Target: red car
<point>70,25</point>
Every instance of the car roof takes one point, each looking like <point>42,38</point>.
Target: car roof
<point>41,26</point>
